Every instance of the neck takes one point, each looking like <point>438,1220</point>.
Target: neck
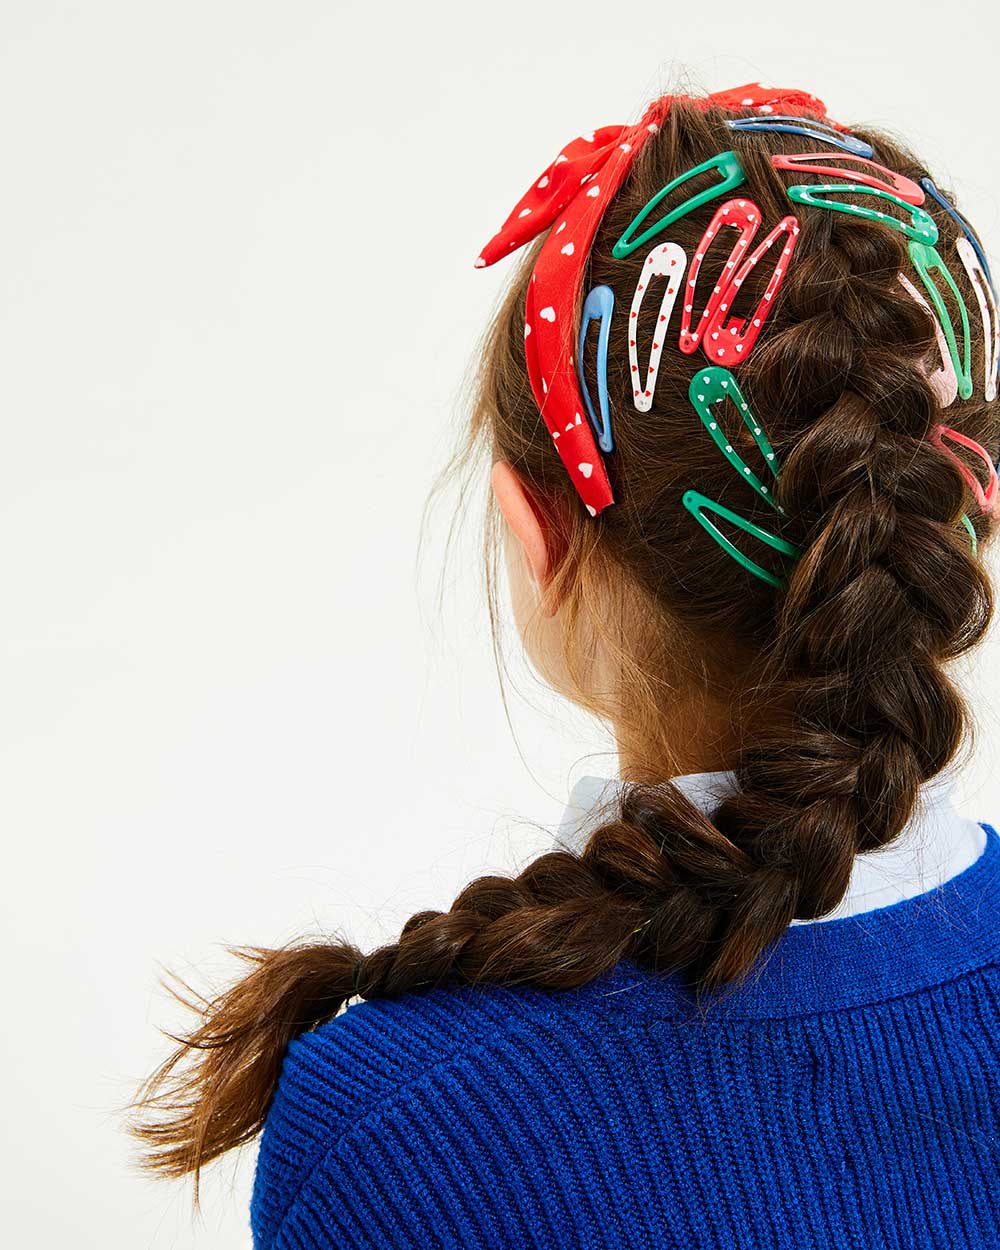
<point>701,740</point>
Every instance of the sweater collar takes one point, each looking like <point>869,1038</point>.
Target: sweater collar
<point>937,843</point>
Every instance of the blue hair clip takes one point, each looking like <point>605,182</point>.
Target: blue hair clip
<point>598,305</point>
<point>967,230</point>
<point>807,128</point>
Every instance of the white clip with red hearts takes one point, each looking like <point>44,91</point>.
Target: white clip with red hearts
<point>988,312</point>
<point>668,261</point>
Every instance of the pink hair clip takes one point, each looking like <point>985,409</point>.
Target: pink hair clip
<point>729,339</point>
<point>944,381</point>
<point>666,261</point>
<point>988,312</point>
<point>985,498</point>
<point>805,162</point>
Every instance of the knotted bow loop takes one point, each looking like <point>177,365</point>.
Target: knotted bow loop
<point>552,190</point>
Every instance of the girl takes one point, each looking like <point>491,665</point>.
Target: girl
<point>740,404</point>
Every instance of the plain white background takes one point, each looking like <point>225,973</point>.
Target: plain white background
<point>238,304</point>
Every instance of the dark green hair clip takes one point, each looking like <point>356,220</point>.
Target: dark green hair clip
<point>709,387</point>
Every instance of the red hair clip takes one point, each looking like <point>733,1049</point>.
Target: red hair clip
<point>741,215</point>
<point>985,498</point>
<point>724,338</point>
<point>805,162</point>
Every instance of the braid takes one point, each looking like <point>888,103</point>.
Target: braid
<point>861,713</point>
<point>835,682</point>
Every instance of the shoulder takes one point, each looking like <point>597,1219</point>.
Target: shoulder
<point>347,1073</point>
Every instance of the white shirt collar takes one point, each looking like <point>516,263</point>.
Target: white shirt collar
<point>937,843</point>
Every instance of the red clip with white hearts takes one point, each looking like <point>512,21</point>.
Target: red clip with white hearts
<point>728,341</point>
<point>741,215</point>
<point>723,337</point>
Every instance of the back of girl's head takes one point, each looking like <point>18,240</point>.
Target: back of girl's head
<point>836,676</point>
<point>832,662</point>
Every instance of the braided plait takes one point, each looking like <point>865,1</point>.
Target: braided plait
<point>887,584</point>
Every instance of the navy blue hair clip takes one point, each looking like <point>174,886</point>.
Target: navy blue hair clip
<point>598,305</point>
<point>967,230</point>
<point>806,127</point>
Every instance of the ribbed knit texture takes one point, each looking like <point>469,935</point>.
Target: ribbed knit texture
<point>847,1096</point>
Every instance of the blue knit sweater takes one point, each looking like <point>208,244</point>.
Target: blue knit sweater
<point>848,1096</point>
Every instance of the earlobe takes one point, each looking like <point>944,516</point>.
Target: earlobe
<point>524,521</point>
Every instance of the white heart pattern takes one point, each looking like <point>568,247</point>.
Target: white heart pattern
<point>585,468</point>
<point>548,313</point>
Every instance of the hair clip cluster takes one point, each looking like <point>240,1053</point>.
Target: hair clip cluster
<point>569,200</point>
<point>724,337</point>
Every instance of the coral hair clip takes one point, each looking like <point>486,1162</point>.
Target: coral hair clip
<point>818,163</point>
<point>985,498</point>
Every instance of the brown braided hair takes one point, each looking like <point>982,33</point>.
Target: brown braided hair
<point>840,703</point>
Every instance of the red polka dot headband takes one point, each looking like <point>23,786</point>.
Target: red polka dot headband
<point>577,188</point>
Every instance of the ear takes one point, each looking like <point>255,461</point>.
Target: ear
<point>525,522</point>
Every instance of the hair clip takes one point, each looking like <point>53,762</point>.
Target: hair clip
<point>988,313</point>
<point>598,305</point>
<point>807,128</point>
<point>713,386</point>
<point>731,175</point>
<point>967,230</point>
<point>698,504</point>
<point>927,260</point>
<point>726,340</point>
<point>943,381</point>
<point>708,387</point>
<point>972,534</point>
<point>741,215</point>
<point>921,227</point>
<point>723,338</point>
<point>669,261</point>
<point>985,498</point>
<point>805,162</point>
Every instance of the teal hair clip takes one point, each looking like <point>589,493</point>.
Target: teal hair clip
<point>698,505</point>
<point>731,174</point>
<point>920,227</point>
<point>927,260</point>
<point>708,388</point>
<point>972,534</point>
<point>598,306</point>
<point>713,386</point>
